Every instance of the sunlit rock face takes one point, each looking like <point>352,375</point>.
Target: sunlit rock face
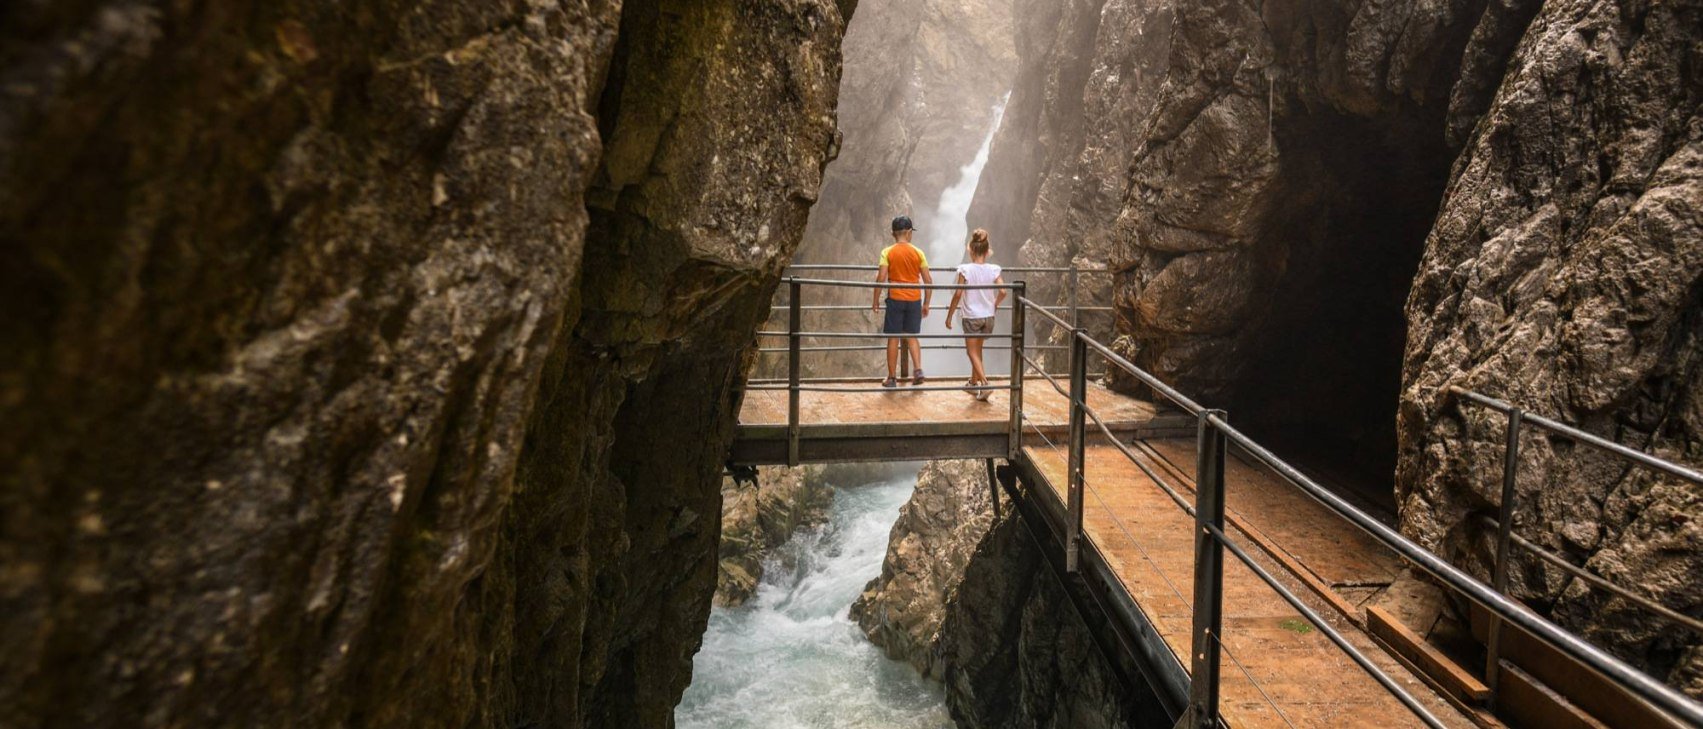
<point>930,548</point>
<point>1565,274</point>
<point>373,366</point>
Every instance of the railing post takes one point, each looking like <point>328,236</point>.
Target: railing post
<point>1078,436</point>
<point>1018,294</point>
<point>1208,571</point>
<point>993,487</point>
<point>794,325</point>
<point>1504,540</point>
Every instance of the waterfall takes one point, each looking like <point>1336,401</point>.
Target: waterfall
<point>949,228</point>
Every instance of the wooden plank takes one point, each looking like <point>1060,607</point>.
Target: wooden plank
<point>1583,687</point>
<point>1528,701</point>
<point>1429,660</point>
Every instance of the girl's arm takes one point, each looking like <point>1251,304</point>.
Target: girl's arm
<point>957,296</point>
<point>998,298</point>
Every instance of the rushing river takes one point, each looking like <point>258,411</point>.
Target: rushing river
<point>791,657</point>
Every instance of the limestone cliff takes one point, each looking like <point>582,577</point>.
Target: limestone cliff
<point>1565,274</point>
<point>927,554</point>
<point>372,365</point>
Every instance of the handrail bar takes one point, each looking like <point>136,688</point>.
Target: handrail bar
<point>877,335</point>
<point>860,307</point>
<point>882,347</point>
<point>1171,393</point>
<point>1540,552</point>
<point>1046,312</point>
<point>1324,626</point>
<point>1640,684</point>
<point>908,286</point>
<point>783,387</point>
<point>1012,269</point>
<point>1572,433</point>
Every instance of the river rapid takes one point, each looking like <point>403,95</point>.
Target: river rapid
<point>791,657</point>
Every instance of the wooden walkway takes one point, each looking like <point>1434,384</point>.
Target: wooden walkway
<point>919,425</point>
<point>1277,670</point>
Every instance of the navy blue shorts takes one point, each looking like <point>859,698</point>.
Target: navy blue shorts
<point>903,317</point>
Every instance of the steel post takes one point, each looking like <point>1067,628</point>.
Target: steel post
<point>1075,285</point>
<point>794,325</point>
<point>1208,571</point>
<point>993,487</point>
<point>1078,436</point>
<point>1020,294</point>
<point>1504,543</point>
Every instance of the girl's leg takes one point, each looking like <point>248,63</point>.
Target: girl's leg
<point>973,347</point>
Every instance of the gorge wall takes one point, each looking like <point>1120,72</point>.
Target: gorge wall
<point>342,340</point>
<point>1565,275</point>
<point>1271,181</point>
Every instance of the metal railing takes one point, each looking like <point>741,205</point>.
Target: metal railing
<point>1213,434</point>
<point>1214,437</point>
<point>1506,539</point>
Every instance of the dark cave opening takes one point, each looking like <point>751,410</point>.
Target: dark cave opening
<point>1323,376</point>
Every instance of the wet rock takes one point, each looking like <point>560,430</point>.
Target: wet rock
<point>1564,275</point>
<point>1016,652</point>
<point>758,516</point>
<point>320,405</point>
<point>930,547</point>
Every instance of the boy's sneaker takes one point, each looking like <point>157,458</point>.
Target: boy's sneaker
<point>917,378</point>
<point>890,382</point>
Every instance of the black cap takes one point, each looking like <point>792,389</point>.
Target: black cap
<point>902,223</point>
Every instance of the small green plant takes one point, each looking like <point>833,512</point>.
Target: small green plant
<point>1297,626</point>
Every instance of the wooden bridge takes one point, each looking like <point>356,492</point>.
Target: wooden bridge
<point>1139,500</point>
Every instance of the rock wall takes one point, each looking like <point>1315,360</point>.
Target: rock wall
<point>1565,275</point>
<point>1018,655</point>
<point>372,366</point>
<point>927,553</point>
<point>757,516</point>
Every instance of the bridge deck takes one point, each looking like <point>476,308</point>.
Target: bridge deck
<point>918,424</point>
<point>1277,670</point>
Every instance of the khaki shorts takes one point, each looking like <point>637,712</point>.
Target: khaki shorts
<point>978,326</point>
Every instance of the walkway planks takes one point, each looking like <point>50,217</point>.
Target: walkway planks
<point>1277,670</point>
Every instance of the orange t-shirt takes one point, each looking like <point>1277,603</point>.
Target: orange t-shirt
<point>905,264</point>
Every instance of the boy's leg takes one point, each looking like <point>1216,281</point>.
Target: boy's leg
<point>892,357</point>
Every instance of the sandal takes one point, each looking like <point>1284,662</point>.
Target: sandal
<point>984,395</point>
<point>890,382</point>
<point>916,378</point>
<point>970,387</point>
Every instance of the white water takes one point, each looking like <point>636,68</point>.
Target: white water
<point>791,657</point>
<point>947,233</point>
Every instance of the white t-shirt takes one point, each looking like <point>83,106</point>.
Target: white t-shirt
<point>978,303</point>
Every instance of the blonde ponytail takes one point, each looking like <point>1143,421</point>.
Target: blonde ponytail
<point>979,242</point>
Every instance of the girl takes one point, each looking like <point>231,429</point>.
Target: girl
<point>979,306</point>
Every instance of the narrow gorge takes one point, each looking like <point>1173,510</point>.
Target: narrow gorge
<point>381,365</point>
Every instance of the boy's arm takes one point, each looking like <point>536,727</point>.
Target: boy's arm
<point>880,277</point>
<point>927,294</point>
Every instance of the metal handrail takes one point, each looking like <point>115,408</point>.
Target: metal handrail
<point>903,285</point>
<point>1580,436</point>
<point>860,307</point>
<point>1215,435</point>
<point>1011,269</point>
<point>1505,537</point>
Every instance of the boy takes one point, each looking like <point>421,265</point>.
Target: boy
<point>979,306</point>
<point>906,308</point>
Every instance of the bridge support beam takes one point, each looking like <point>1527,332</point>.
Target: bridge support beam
<point>1208,573</point>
